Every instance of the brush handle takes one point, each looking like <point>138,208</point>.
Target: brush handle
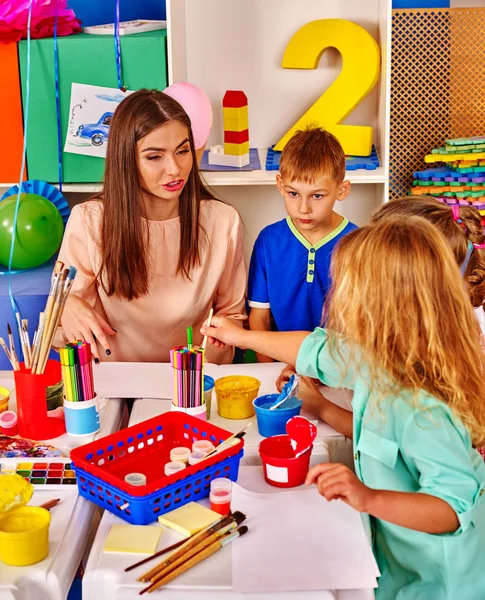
<point>193,551</point>
<point>209,551</point>
<point>188,544</point>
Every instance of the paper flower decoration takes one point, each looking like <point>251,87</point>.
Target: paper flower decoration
<point>14,16</point>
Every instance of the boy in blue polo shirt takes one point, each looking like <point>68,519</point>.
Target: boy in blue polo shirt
<point>289,274</point>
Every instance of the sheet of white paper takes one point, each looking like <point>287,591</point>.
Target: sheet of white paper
<point>90,113</point>
<point>330,550</point>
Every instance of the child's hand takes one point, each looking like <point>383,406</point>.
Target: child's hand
<point>224,331</point>
<point>336,481</point>
<point>314,401</point>
<point>284,377</point>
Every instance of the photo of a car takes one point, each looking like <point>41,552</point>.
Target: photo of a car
<point>98,132</point>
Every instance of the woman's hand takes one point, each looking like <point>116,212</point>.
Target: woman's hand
<point>335,481</point>
<point>224,331</point>
<point>284,377</point>
<point>81,322</point>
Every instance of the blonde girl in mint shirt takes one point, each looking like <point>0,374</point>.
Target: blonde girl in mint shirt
<point>400,332</point>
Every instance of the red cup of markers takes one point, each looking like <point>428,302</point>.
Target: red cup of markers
<point>30,390</point>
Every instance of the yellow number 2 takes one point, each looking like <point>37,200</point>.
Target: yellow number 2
<point>360,71</point>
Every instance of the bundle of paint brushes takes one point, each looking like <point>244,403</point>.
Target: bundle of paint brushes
<point>188,372</point>
<point>36,354</point>
<point>77,371</point>
<point>192,551</point>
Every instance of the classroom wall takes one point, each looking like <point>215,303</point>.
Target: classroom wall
<point>98,12</point>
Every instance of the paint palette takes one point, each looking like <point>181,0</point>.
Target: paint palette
<point>41,472</point>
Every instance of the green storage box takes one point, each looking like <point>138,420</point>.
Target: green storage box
<point>88,59</point>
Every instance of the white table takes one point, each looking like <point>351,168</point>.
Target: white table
<point>105,579</point>
<point>71,523</point>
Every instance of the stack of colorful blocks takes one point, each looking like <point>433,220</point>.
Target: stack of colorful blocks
<point>235,152</point>
<point>462,180</point>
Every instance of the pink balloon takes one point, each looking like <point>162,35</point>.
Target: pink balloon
<point>197,105</point>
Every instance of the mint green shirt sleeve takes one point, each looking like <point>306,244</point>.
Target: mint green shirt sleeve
<point>441,460</point>
<point>330,365</point>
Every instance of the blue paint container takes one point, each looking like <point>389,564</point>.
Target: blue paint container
<point>82,418</point>
<point>273,422</point>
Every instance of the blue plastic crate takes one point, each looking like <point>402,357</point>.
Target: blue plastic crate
<point>102,465</point>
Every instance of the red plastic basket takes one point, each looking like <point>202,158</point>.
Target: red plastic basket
<point>102,465</point>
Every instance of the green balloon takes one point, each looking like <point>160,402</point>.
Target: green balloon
<point>39,231</point>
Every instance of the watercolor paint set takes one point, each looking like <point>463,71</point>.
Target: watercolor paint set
<point>40,472</point>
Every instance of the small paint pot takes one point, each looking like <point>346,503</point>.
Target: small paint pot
<point>235,395</point>
<point>220,495</point>
<point>196,457</point>
<point>208,388</point>
<point>273,422</point>
<point>136,479</point>
<point>173,467</point>
<point>24,536</point>
<point>180,454</point>
<point>280,466</point>
<point>82,418</point>
<point>202,446</point>
<point>4,398</point>
<point>8,423</point>
<point>196,411</point>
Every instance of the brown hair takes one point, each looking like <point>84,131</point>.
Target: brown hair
<point>398,300</point>
<point>124,235</point>
<point>312,153</point>
<point>458,235</point>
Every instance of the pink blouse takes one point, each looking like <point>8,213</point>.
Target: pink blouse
<point>148,327</point>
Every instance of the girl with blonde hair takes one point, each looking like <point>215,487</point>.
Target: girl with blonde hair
<point>395,324</point>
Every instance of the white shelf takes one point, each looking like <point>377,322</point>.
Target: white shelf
<point>231,178</point>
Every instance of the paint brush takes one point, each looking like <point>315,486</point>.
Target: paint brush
<point>13,354</point>
<point>22,340</point>
<point>212,549</point>
<point>156,555</point>
<point>50,504</point>
<point>209,321</point>
<point>226,443</point>
<point>38,342</point>
<point>7,352</point>
<point>25,329</point>
<point>195,550</point>
<point>237,517</point>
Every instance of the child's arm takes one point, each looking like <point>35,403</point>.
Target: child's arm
<point>280,345</point>
<point>260,320</point>
<point>417,511</point>
<point>315,403</point>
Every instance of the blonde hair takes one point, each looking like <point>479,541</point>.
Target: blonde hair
<point>397,297</point>
<point>458,235</point>
<point>311,153</point>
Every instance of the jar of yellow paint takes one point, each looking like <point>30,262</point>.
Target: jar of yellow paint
<point>24,536</point>
<point>235,395</point>
<point>4,398</point>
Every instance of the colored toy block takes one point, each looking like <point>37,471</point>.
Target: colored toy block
<point>217,157</point>
<point>236,137</point>
<point>236,124</point>
<point>430,158</point>
<point>11,127</point>
<point>254,163</point>
<point>235,113</point>
<point>469,147</point>
<point>352,163</point>
<point>236,149</point>
<point>479,139</point>
<point>234,99</point>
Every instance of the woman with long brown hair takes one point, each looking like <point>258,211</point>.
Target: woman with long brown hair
<point>154,251</point>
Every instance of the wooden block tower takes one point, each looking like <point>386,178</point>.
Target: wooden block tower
<point>236,132</point>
